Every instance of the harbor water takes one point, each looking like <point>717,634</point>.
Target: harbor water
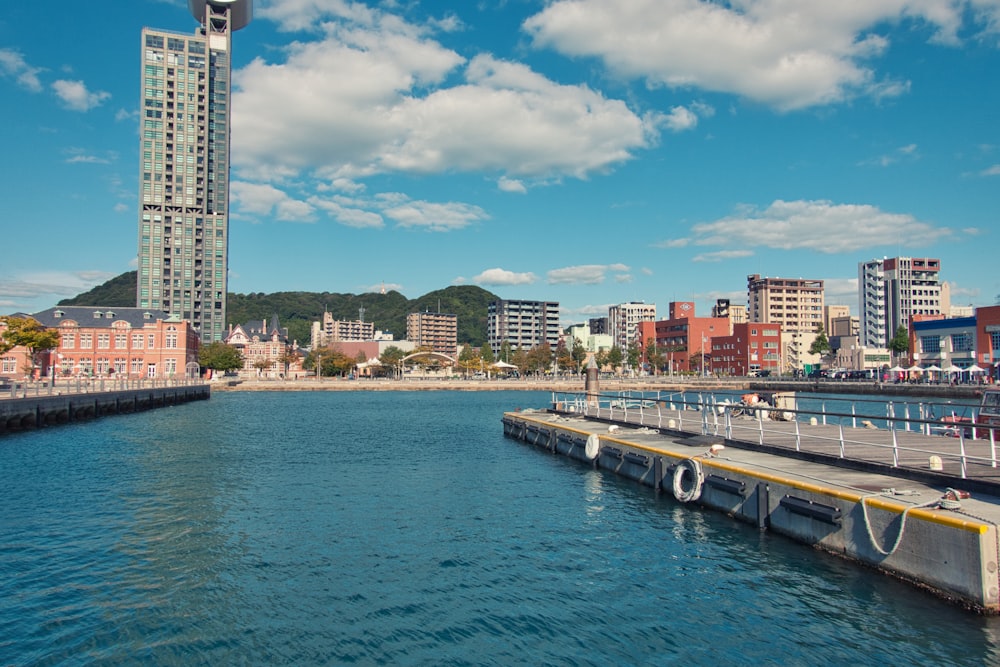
<point>378,528</point>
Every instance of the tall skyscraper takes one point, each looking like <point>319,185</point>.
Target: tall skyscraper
<point>184,166</point>
<point>893,289</point>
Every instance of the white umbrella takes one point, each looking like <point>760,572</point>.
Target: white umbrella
<point>975,369</point>
<point>934,368</point>
<point>916,368</point>
<point>953,369</point>
<point>896,369</point>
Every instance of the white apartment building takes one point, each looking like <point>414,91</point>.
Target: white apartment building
<point>623,321</point>
<point>522,324</point>
<point>891,291</point>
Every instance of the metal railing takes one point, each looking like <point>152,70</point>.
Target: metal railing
<point>869,435</point>
<point>67,386</point>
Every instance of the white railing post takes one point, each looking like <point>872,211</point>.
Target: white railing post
<point>843,448</point>
<point>895,449</point>
<point>961,450</point>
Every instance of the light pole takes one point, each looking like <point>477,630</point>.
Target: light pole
<point>703,355</point>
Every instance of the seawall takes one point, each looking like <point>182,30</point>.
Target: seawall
<point>18,414</point>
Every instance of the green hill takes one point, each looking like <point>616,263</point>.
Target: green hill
<point>298,310</point>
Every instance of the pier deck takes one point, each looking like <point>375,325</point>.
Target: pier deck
<point>902,519</point>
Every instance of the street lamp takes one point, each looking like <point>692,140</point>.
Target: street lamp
<point>703,355</point>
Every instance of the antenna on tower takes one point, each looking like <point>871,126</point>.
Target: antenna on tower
<point>361,313</point>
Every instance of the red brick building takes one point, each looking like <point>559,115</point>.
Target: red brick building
<point>682,337</point>
<point>753,346</point>
<point>120,342</point>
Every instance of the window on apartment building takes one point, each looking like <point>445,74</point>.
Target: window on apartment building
<point>961,342</point>
<point>68,340</point>
<point>931,344</point>
<point>86,341</point>
<point>103,341</point>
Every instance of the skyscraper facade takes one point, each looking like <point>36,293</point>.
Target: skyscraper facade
<point>184,166</point>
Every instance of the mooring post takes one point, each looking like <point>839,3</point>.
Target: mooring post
<point>592,383</point>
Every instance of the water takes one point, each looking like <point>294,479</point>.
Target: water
<point>403,528</point>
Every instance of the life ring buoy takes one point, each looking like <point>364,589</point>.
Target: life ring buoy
<point>692,469</point>
<point>593,448</point>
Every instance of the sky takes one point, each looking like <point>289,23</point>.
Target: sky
<point>589,152</point>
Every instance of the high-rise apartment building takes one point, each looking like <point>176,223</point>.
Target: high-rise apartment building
<point>794,303</point>
<point>522,324</point>
<point>434,331</point>
<point>891,291</point>
<point>184,166</point>
<point>624,319</point>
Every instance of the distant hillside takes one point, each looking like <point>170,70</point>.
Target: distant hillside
<point>298,310</point>
<point>118,292</point>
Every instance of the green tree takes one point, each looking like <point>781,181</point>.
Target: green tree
<point>540,358</point>
<point>821,344</point>
<point>615,357</point>
<point>900,343</point>
<point>392,357</point>
<point>519,358</point>
<point>654,356</point>
<point>632,355</point>
<point>486,354</point>
<point>564,356</point>
<point>505,352</point>
<point>469,359</point>
<point>27,332</point>
<point>327,361</point>
<point>286,359</point>
<point>579,354</point>
<point>218,356</point>
<point>601,359</point>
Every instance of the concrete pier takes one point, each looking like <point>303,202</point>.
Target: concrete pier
<point>18,414</point>
<point>930,535</point>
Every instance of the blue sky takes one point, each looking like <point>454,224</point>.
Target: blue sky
<point>589,152</point>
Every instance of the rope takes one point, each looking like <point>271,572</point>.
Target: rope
<point>902,521</point>
<point>948,501</point>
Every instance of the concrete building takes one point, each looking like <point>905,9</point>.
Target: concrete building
<point>522,324</point>
<point>753,347</point>
<point>684,339</point>
<point>943,342</point>
<point>434,331</point>
<point>184,130</point>
<point>624,319</point>
<point>330,331</point>
<point>592,342</point>
<point>891,291</point>
<point>598,325</point>
<point>735,313</point>
<point>794,303</point>
<point>120,342</point>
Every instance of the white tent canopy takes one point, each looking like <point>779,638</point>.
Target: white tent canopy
<point>502,364</point>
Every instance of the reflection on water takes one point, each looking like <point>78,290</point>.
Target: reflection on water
<point>403,528</point>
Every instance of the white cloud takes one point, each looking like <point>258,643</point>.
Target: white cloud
<point>75,96</point>
<point>266,200</point>
<point>721,255</point>
<point>502,277</point>
<point>991,171</point>
<point>435,217</point>
<point>789,54</point>
<point>12,64</point>
<point>820,226</point>
<point>32,292</point>
<point>840,291</point>
<point>586,274</point>
<point>511,185</point>
<point>378,96</point>
<point>349,216</point>
<point>680,119</point>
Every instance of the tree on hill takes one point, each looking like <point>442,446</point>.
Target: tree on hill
<point>298,310</point>
<point>118,292</point>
